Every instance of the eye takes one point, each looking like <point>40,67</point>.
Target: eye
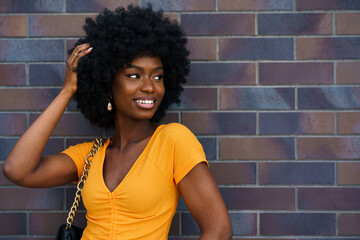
<point>133,76</point>
<point>158,77</point>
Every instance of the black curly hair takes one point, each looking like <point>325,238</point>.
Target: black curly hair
<point>117,37</point>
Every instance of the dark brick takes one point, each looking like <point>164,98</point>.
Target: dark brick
<point>349,224</point>
<point>296,173</point>
<point>349,122</point>
<point>13,26</point>
<point>47,74</point>
<point>43,223</point>
<point>347,23</point>
<point>96,5</point>
<point>3,180</point>
<point>72,124</point>
<point>202,48</point>
<point>256,148</point>
<point>26,99</point>
<point>12,123</point>
<point>175,225</point>
<point>70,195</point>
<point>6,144</point>
<point>344,238</point>
<point>297,224</point>
<point>259,198</point>
<point>74,141</point>
<point>198,98</point>
<point>12,223</point>
<point>31,50</point>
<point>296,73</point>
<point>209,145</point>
<point>181,5</point>
<point>348,72</point>
<point>13,198</point>
<point>12,74</point>
<point>295,23</point>
<point>328,48</point>
<point>348,173</point>
<point>57,25</point>
<point>327,5</point>
<point>53,146</point>
<point>257,98</point>
<point>246,221</point>
<point>170,117</point>
<point>329,148</point>
<point>329,98</point>
<point>297,123</point>
<point>220,123</point>
<point>15,6</point>
<point>233,173</point>
<point>218,24</point>
<point>255,48</point>
<point>329,198</point>
<point>258,5</point>
<point>222,73</point>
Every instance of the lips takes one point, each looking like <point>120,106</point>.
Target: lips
<point>146,103</point>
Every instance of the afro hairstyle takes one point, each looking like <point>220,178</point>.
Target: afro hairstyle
<point>117,37</point>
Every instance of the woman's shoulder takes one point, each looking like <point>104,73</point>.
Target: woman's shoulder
<point>175,129</point>
<point>80,148</point>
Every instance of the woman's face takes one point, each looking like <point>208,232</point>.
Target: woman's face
<point>139,88</point>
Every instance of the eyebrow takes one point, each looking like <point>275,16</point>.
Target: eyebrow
<point>140,68</point>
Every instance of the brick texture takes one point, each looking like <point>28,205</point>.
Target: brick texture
<point>347,23</point>
<point>297,123</point>
<point>259,5</point>
<point>255,48</point>
<point>328,48</point>
<point>273,96</point>
<point>12,74</point>
<point>295,23</point>
<point>349,123</point>
<point>297,224</point>
<point>218,24</point>
<point>296,73</point>
<point>348,173</point>
<point>13,26</point>
<point>53,25</point>
<point>348,72</point>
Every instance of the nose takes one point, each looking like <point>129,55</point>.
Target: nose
<point>147,85</point>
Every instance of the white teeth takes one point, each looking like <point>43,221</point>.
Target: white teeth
<point>145,101</point>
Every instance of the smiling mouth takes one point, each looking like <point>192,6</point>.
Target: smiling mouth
<point>145,103</point>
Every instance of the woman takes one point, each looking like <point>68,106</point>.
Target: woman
<point>124,73</point>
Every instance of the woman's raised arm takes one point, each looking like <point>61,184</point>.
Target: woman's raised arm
<point>25,164</point>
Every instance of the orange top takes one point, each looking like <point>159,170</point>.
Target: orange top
<point>144,203</point>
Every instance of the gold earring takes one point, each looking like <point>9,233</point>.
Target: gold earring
<point>109,106</point>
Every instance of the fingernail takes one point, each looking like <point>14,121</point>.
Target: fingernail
<point>90,48</point>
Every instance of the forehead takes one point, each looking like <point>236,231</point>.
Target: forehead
<point>146,62</point>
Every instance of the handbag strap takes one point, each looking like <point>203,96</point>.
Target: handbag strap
<point>70,219</point>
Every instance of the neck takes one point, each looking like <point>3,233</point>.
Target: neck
<point>128,132</point>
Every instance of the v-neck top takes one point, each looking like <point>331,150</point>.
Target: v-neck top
<point>144,203</point>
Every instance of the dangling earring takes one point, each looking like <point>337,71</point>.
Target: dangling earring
<point>109,106</point>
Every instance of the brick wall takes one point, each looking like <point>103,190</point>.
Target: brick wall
<point>273,95</point>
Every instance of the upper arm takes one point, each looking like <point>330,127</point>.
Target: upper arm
<point>53,170</point>
<point>204,201</point>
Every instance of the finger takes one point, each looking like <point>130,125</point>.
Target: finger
<point>78,49</point>
<point>75,54</point>
<point>80,55</point>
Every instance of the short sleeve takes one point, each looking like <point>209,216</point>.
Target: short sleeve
<point>78,153</point>
<point>188,152</point>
